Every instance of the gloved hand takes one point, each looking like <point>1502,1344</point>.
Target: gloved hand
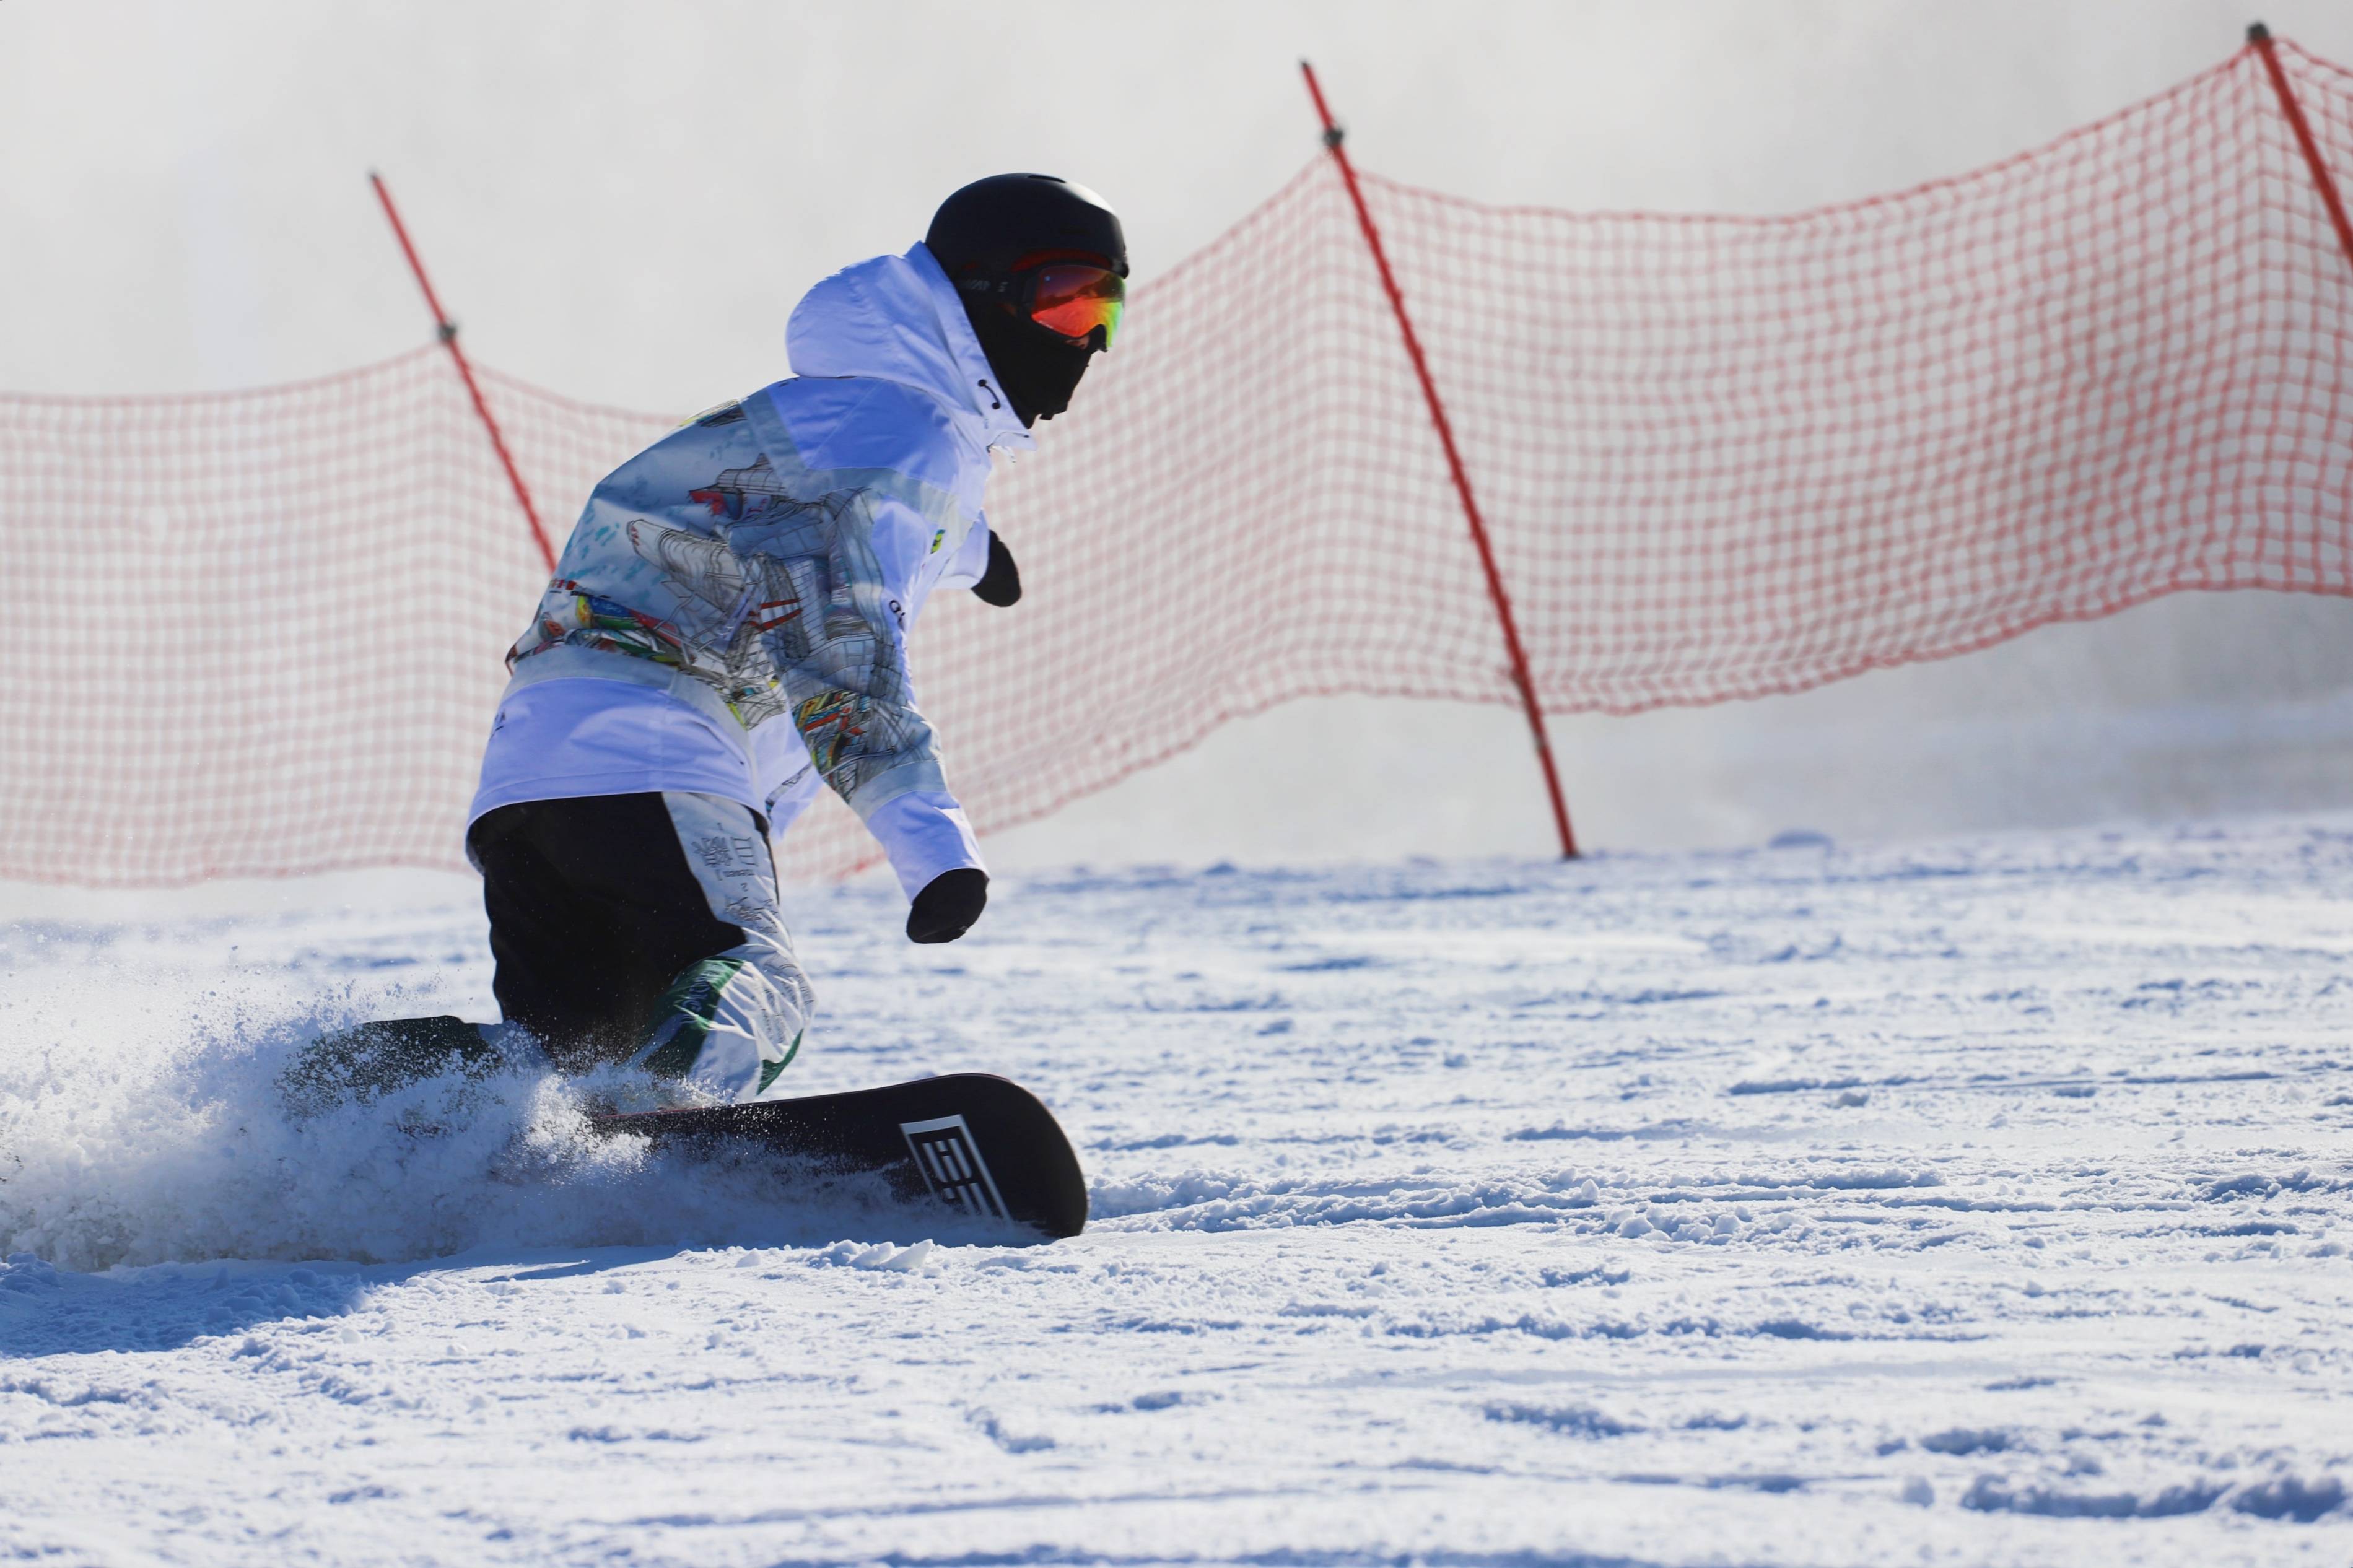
<point>948,905</point>
<point>1001,585</point>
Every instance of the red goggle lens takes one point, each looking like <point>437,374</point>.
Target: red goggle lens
<point>1074,301</point>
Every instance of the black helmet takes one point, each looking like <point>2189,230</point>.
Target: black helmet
<point>992,226</point>
<point>995,233</point>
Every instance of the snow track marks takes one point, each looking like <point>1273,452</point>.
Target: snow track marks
<point>1981,1203</point>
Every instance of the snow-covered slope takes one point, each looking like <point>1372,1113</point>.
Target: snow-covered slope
<point>1985,1203</point>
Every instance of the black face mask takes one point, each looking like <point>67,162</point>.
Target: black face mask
<point>1037,367</point>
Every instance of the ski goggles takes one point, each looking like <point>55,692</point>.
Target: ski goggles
<point>1072,298</point>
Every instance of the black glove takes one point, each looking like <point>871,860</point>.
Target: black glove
<point>1001,583</point>
<point>948,905</point>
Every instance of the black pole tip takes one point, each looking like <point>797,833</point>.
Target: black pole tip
<point>2258,34</point>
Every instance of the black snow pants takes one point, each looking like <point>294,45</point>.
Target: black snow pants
<point>615,919</point>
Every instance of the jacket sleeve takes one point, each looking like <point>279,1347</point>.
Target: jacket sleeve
<point>971,562</point>
<point>839,648</point>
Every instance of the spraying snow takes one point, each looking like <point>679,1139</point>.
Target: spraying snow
<point>174,1144</point>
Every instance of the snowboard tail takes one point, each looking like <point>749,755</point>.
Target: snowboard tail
<point>979,1144</point>
<point>367,1061</point>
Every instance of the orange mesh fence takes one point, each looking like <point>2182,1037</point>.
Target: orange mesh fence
<point>261,633</point>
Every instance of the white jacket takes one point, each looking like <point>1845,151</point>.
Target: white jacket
<point>729,614</point>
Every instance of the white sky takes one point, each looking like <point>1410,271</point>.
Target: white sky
<point>623,203</point>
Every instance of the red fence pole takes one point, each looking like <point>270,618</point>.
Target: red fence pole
<point>1333,137</point>
<point>448,330</point>
<point>2260,38</point>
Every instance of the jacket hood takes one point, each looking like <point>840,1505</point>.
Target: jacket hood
<point>897,317</point>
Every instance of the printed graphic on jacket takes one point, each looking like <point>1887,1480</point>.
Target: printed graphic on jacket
<point>761,565</point>
<point>778,609</point>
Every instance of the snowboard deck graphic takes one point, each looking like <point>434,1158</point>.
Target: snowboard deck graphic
<point>980,1144</point>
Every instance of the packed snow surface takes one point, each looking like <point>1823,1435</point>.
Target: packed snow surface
<point>1982,1202</point>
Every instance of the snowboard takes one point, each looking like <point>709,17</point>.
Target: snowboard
<point>980,1145</point>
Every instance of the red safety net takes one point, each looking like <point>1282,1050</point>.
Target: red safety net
<point>262,632</point>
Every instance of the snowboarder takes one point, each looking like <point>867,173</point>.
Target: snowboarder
<point>726,634</point>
